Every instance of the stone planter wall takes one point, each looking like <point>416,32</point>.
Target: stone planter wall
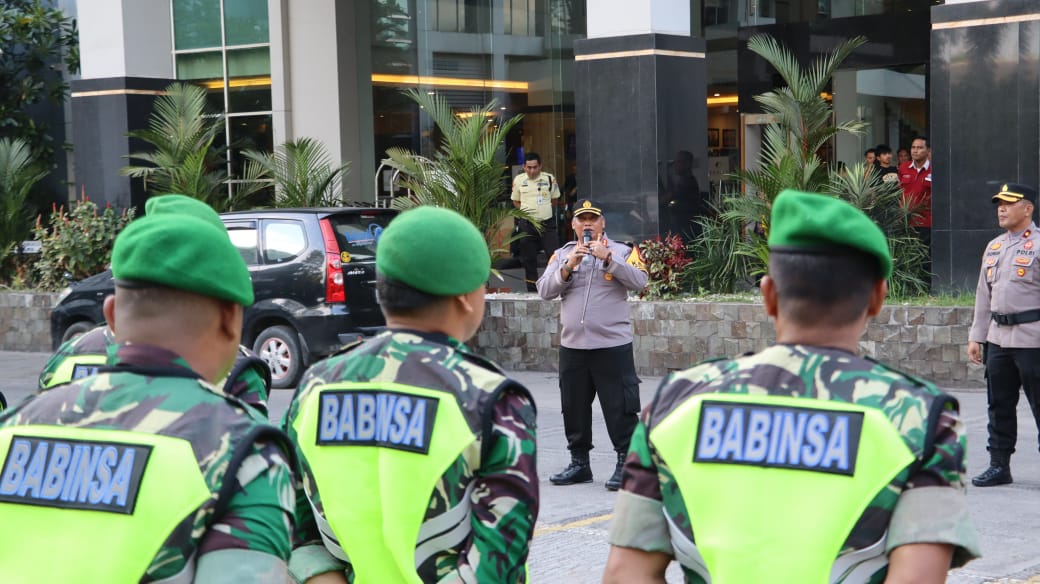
<point>25,321</point>
<point>522,333</point>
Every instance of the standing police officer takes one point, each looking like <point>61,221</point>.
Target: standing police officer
<point>537,192</point>
<point>417,456</point>
<point>593,279</point>
<point>805,462</point>
<point>1007,320</point>
<point>183,482</point>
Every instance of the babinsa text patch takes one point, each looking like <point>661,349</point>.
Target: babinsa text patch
<point>778,436</point>
<point>75,474</point>
<point>82,370</point>
<point>376,418</point>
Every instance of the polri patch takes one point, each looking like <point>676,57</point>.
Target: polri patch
<point>811,439</point>
<point>73,474</point>
<point>387,419</point>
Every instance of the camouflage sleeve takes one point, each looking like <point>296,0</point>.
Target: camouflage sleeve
<point>259,516</point>
<point>639,520</point>
<point>505,497</point>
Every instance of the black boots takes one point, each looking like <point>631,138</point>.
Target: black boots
<point>998,473</point>
<point>578,471</point>
<point>614,482</point>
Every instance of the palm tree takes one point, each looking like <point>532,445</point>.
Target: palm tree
<point>302,173</point>
<point>790,160</point>
<point>19,173</point>
<point>464,174</point>
<point>183,159</point>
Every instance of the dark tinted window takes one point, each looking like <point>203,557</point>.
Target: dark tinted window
<point>358,234</point>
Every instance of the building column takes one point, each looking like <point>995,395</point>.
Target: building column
<point>126,59</point>
<point>640,91</point>
<point>985,114</point>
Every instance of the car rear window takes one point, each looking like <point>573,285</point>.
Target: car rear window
<point>358,234</point>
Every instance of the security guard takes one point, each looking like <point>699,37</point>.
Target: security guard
<point>537,192</point>
<point>417,456</point>
<point>804,463</point>
<point>1007,321</point>
<point>593,282</point>
<point>249,379</point>
<point>184,483</point>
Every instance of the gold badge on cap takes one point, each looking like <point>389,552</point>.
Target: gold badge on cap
<point>1004,188</point>
<point>1021,272</point>
<point>586,205</point>
<point>995,246</point>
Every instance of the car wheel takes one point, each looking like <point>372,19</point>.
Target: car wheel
<point>279,347</point>
<point>76,329</point>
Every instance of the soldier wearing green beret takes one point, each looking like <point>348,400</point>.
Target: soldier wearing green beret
<point>184,482</point>
<point>417,456</point>
<point>806,462</point>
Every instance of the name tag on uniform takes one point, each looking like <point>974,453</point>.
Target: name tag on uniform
<point>73,474</point>
<point>386,419</point>
<point>80,371</point>
<point>810,439</point>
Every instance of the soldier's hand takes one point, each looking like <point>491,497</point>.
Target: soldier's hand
<point>975,352</point>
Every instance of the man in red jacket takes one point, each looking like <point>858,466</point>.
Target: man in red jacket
<point>915,176</point>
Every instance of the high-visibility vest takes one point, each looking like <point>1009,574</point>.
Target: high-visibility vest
<point>75,367</point>
<point>90,505</point>
<point>376,451</point>
<point>773,485</point>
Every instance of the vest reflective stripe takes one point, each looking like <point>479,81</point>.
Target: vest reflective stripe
<point>63,374</point>
<point>53,544</point>
<point>375,498</point>
<point>769,524</point>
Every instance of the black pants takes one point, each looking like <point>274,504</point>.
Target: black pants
<point>1006,371</point>
<point>529,246</point>
<point>609,373</point>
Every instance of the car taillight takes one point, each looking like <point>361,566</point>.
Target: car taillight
<point>334,290</point>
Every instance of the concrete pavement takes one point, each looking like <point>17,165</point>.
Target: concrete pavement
<point>571,537</point>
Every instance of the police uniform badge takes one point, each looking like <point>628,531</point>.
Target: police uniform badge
<point>1027,233</point>
<point>991,261</point>
<point>608,276</point>
<point>635,259</point>
<point>995,246</point>
<point>1021,272</point>
<point>1028,245</point>
<point>1022,260</point>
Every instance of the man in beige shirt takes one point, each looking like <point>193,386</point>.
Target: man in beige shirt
<point>537,192</point>
<point>1007,322</point>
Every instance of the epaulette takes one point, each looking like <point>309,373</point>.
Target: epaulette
<point>919,381</point>
<point>482,361</point>
<point>348,347</point>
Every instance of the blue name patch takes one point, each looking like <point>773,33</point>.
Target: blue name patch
<point>81,371</point>
<point>378,418</point>
<point>73,474</point>
<point>779,436</point>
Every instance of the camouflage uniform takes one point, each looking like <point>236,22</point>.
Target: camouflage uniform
<point>158,393</point>
<point>248,380</point>
<point>500,475</point>
<point>912,406</point>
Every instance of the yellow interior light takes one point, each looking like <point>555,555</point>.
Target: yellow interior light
<point>448,82</point>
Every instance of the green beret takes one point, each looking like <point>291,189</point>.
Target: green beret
<point>814,223</point>
<point>180,204</point>
<point>181,251</point>
<point>434,250</point>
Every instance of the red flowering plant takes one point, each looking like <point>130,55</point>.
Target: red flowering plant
<point>666,264</point>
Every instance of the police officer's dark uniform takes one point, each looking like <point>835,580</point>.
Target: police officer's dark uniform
<point>1007,320</point>
<point>538,196</point>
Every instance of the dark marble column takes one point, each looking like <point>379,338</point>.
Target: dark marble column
<point>985,125</point>
<point>103,111</point>
<point>640,103</point>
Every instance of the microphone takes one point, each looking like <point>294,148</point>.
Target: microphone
<point>586,237</point>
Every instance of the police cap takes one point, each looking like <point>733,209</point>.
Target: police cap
<point>586,206</point>
<point>1015,192</point>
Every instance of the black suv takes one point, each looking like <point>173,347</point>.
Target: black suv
<point>313,274</point>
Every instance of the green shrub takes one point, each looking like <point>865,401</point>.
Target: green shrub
<point>76,243</point>
<point>666,265</point>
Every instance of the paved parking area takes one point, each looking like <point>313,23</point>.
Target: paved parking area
<point>571,537</point>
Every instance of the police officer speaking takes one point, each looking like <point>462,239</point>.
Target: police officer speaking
<point>804,463</point>
<point>417,456</point>
<point>146,471</point>
<point>1007,322</point>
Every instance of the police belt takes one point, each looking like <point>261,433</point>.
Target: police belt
<point>1016,317</point>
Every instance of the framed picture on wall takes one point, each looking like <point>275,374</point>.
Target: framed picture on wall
<point>729,138</point>
<point>713,137</point>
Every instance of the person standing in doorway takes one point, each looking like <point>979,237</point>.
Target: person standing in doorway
<point>592,281</point>
<point>1007,323</point>
<point>537,192</point>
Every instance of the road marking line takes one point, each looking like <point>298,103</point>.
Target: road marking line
<point>573,524</point>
